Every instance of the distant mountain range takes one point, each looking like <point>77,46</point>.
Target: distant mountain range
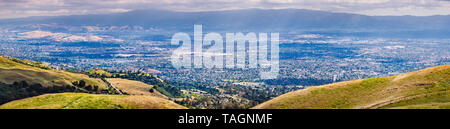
<point>251,20</point>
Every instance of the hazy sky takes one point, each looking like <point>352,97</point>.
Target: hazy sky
<point>25,8</point>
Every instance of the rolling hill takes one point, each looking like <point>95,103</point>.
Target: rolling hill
<point>16,70</point>
<point>23,78</point>
<point>91,101</point>
<point>427,88</point>
<point>135,87</point>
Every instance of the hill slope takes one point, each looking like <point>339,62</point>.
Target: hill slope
<point>23,78</point>
<point>427,88</point>
<point>135,87</point>
<point>91,101</point>
<point>13,71</point>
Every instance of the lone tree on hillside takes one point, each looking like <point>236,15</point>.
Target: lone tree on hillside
<point>151,90</point>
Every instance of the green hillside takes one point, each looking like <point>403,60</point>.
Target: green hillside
<point>91,101</point>
<point>427,88</point>
<point>23,78</point>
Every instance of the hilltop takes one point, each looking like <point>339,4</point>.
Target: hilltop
<point>91,101</point>
<point>427,88</point>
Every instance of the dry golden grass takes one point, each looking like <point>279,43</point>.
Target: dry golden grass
<point>425,87</point>
<point>11,72</point>
<point>134,87</point>
<point>91,101</point>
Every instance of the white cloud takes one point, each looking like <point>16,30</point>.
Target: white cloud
<point>57,12</point>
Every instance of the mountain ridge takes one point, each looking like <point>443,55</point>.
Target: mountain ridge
<point>248,20</point>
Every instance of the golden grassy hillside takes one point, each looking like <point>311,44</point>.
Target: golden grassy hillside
<point>134,87</point>
<point>427,88</point>
<point>91,101</point>
<point>23,78</point>
<point>11,72</point>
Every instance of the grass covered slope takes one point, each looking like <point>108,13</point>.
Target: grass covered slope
<point>91,101</point>
<point>135,87</point>
<point>427,88</point>
<point>23,78</point>
<point>29,71</point>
